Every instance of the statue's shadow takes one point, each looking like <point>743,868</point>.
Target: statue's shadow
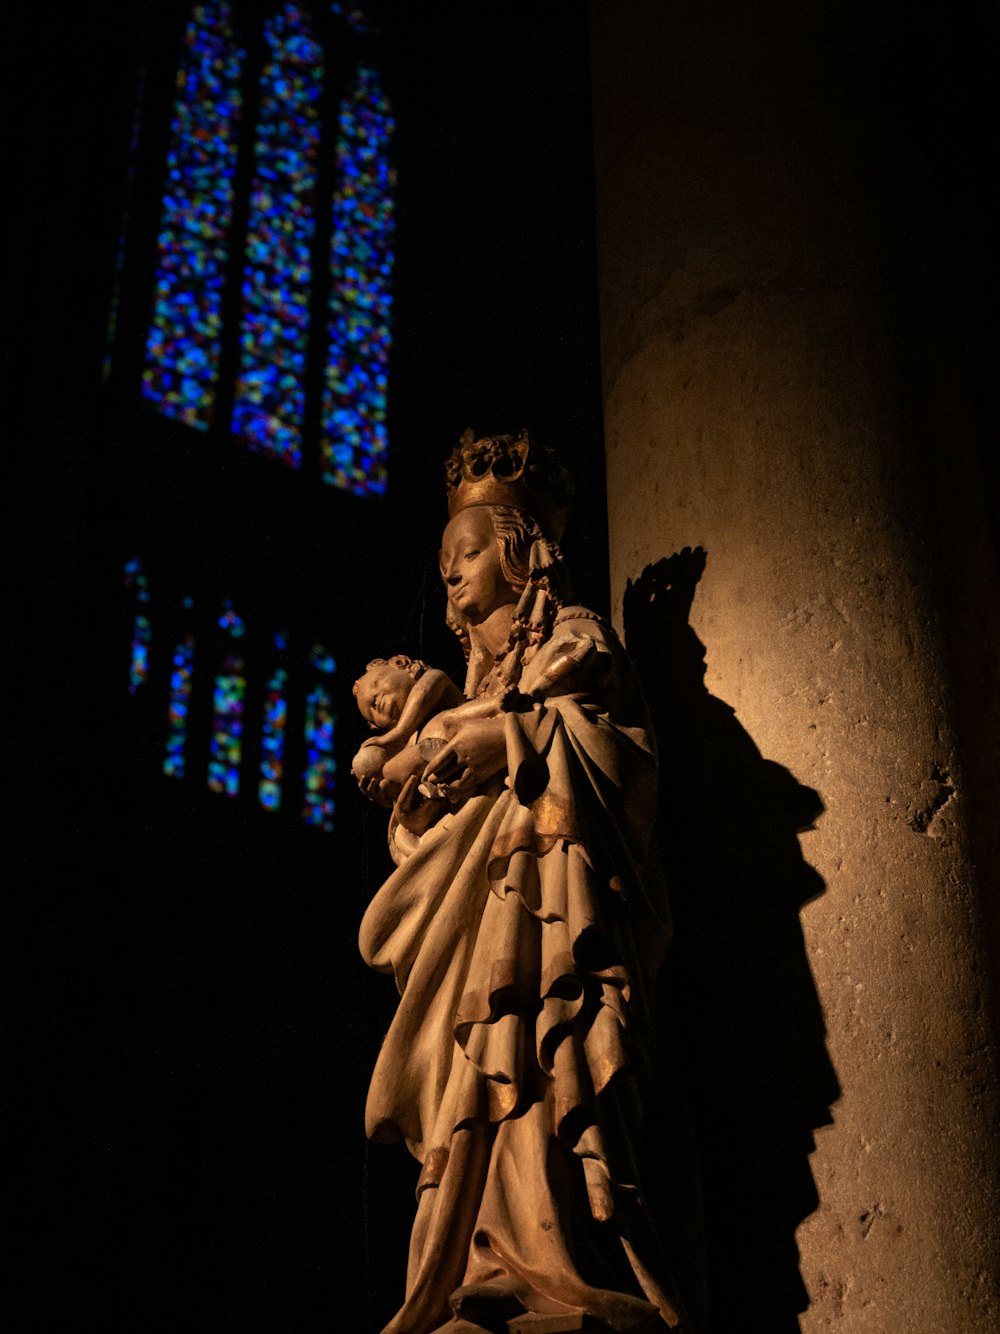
<point>736,998</point>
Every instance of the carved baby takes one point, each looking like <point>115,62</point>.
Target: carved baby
<point>404,696</point>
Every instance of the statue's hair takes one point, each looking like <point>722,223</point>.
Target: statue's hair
<point>518,536</point>
<point>415,666</point>
<point>515,532</point>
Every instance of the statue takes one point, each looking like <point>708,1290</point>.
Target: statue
<point>399,695</point>
<point>523,928</point>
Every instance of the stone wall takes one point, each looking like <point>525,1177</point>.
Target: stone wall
<point>769,399</point>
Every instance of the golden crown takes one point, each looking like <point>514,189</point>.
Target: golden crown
<point>510,470</point>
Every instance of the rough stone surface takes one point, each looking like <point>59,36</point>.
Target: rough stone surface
<point>754,406</point>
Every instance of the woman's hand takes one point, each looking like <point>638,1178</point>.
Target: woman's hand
<point>477,752</point>
<point>415,812</point>
<point>446,724</point>
<point>376,789</point>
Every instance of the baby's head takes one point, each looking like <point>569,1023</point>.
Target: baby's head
<point>383,689</point>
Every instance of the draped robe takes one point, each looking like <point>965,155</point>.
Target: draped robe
<point>523,930</point>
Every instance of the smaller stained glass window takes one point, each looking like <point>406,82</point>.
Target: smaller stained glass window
<point>142,628</point>
<point>321,766</point>
<point>181,679</point>
<point>230,622</point>
<point>351,15</point>
<point>142,634</point>
<point>272,761</point>
<point>226,749</point>
<point>321,660</point>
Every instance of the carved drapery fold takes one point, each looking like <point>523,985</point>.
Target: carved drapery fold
<point>512,1064</point>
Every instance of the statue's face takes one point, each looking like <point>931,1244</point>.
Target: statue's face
<point>382,692</point>
<point>470,566</point>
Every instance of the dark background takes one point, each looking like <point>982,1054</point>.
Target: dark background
<point>195,1027</point>
<point>198,1027</point>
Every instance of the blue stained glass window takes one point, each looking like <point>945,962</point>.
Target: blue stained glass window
<point>227,728</point>
<point>321,767</point>
<point>142,628</point>
<point>230,622</point>
<point>183,344</point>
<point>321,660</point>
<point>354,441</point>
<point>179,707</point>
<point>272,763</point>
<point>226,749</point>
<point>353,17</point>
<point>270,389</point>
<point>142,634</point>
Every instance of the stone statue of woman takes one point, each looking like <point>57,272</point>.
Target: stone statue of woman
<point>524,932</point>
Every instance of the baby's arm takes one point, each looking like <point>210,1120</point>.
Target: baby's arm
<point>381,776</point>
<point>401,766</point>
<point>445,724</point>
<point>430,690</point>
<point>441,730</point>
<point>411,760</point>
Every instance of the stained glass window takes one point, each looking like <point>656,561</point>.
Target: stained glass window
<point>142,629</point>
<point>184,342</point>
<point>180,704</point>
<point>183,345</point>
<point>270,390</point>
<point>142,634</point>
<point>272,761</point>
<point>321,766</point>
<point>353,17</point>
<point>354,438</point>
<point>226,749</point>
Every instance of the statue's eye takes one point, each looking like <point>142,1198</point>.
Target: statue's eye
<point>471,555</point>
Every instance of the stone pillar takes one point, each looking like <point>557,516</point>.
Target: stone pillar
<point>769,396</point>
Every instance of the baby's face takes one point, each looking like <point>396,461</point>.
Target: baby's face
<point>382,692</point>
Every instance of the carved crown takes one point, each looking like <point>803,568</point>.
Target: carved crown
<point>510,470</point>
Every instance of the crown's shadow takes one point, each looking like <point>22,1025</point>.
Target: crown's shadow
<point>736,997</point>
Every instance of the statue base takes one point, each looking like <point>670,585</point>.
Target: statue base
<point>534,1324</point>
<point>556,1324</point>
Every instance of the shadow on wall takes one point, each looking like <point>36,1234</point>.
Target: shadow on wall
<point>736,996</point>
